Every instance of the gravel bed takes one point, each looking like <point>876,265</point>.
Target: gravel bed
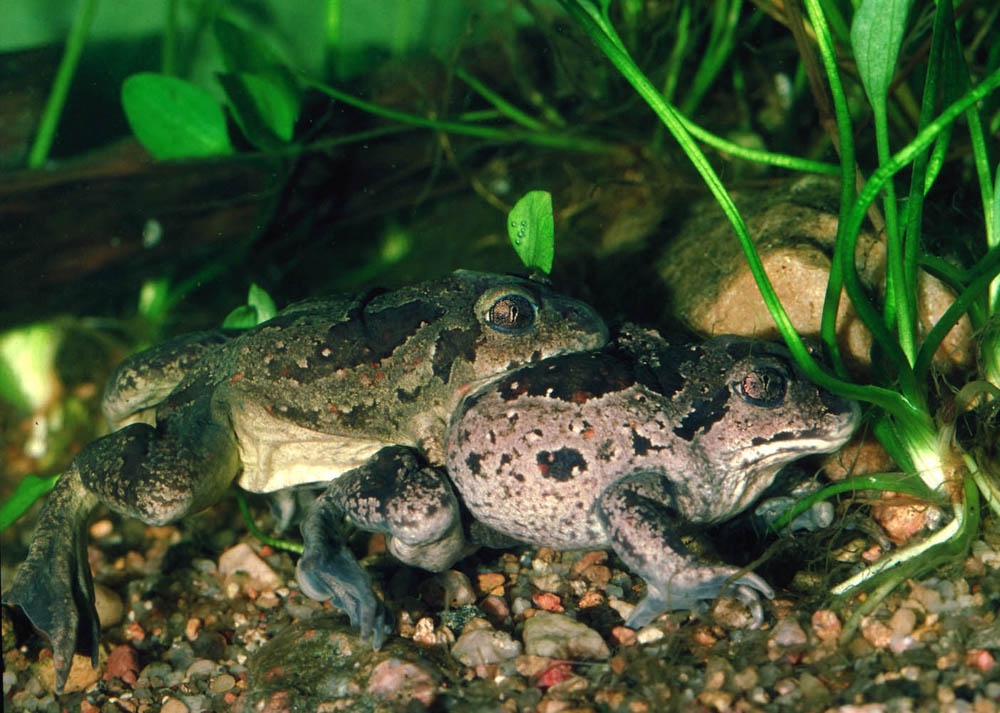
<point>204,618</point>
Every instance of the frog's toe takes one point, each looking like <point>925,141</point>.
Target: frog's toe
<point>686,589</point>
<point>337,576</point>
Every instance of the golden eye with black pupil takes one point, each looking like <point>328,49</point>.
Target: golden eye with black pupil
<point>512,314</point>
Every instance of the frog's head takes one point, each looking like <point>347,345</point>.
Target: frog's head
<point>751,410</point>
<point>513,321</point>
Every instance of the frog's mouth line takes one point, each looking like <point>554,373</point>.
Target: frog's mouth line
<point>779,452</point>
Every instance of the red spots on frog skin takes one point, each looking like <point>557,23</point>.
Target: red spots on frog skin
<point>588,433</point>
<point>581,397</point>
<point>333,408</point>
<point>236,378</point>
<point>543,468</point>
<point>269,409</point>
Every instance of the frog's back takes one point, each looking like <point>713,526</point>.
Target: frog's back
<point>326,383</point>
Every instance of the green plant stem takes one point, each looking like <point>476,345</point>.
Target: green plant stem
<point>682,32</point>
<point>720,46</point>
<point>852,226</point>
<point>602,33</point>
<point>791,163</point>
<point>571,143</point>
<point>60,86</point>
<point>891,482</point>
<point>988,268</point>
<point>845,144</point>
<point>287,545</point>
<point>501,104</point>
<point>945,544</point>
<point>896,308</point>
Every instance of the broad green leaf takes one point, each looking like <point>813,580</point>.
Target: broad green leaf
<point>876,35</point>
<point>173,118</point>
<point>532,230</point>
<point>265,112</point>
<point>28,491</point>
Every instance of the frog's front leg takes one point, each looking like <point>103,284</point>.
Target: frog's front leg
<point>644,531</point>
<point>151,474</point>
<point>413,506</point>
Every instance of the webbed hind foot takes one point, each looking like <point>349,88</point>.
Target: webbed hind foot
<point>54,587</point>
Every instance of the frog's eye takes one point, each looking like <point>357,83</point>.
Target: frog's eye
<point>763,386</point>
<point>511,313</point>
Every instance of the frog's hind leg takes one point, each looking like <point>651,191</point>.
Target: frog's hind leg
<point>53,586</point>
<point>644,530</point>
<point>160,475</point>
<point>414,506</point>
<point>154,475</point>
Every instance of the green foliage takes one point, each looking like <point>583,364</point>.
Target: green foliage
<point>876,35</point>
<point>531,229</point>
<point>28,491</point>
<point>174,118</point>
<point>259,308</point>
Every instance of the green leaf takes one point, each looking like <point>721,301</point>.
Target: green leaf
<point>532,230</point>
<point>242,50</point>
<point>263,109</point>
<point>259,308</point>
<point>28,491</point>
<point>243,317</point>
<point>876,35</point>
<point>263,92</point>
<point>262,302</point>
<point>173,118</point>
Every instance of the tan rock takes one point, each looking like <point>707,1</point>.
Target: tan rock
<point>110,608</point>
<point>81,673</point>
<point>242,558</point>
<point>794,227</point>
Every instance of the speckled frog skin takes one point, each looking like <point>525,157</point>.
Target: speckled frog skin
<point>355,392</point>
<point>629,446</point>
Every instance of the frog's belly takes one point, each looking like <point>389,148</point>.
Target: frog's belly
<point>278,454</point>
<point>560,515</point>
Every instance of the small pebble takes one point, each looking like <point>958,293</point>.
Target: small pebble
<point>591,599</point>
<point>649,634</point>
<point>201,667</point>
<point>547,601</point>
<point>477,647</point>
<point>787,633</point>
<point>399,680</point>
<point>101,528</point>
<point>221,684</point>
<point>173,705</point>
<point>826,625</point>
<point>458,589</point>
<point>588,559</point>
<point>558,636</point>
<point>876,632</point>
<point>110,609</point>
<point>488,581</point>
<point>242,558</point>
<point>623,608</point>
<point>623,636</point>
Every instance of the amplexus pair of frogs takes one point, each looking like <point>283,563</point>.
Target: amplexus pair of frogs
<point>456,412</point>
